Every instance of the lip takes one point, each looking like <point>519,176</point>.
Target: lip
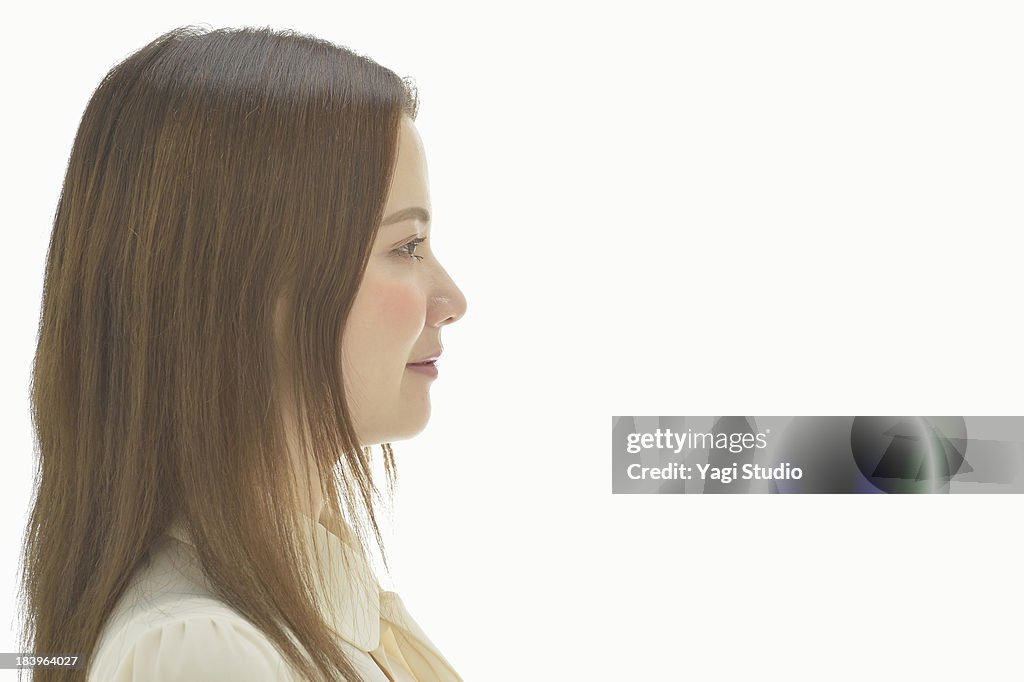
<point>430,358</point>
<point>427,368</point>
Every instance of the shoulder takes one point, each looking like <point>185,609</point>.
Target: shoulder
<point>169,627</point>
<point>197,647</point>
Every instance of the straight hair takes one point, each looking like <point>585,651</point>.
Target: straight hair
<point>214,173</point>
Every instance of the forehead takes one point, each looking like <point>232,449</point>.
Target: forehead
<point>409,186</point>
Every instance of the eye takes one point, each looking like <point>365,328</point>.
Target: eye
<point>408,250</point>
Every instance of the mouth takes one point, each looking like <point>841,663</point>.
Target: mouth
<point>427,368</point>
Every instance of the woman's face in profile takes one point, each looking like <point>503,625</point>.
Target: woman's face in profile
<point>404,300</point>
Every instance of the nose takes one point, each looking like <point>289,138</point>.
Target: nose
<point>448,302</point>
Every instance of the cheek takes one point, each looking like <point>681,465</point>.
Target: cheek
<point>400,308</point>
<point>388,314</point>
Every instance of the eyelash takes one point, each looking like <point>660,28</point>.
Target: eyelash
<point>401,250</point>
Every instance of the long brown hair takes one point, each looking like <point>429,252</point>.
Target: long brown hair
<point>214,172</point>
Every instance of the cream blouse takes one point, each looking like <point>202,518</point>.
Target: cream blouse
<point>170,627</point>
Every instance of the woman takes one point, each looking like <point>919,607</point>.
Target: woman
<point>239,297</point>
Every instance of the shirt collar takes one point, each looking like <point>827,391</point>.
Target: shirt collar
<point>376,611</point>
<point>355,605</point>
<point>350,594</point>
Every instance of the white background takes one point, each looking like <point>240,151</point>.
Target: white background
<point>788,208</point>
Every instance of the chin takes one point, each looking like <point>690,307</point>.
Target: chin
<point>408,429</point>
<point>411,431</point>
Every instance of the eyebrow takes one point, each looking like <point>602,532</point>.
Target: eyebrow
<point>413,212</point>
